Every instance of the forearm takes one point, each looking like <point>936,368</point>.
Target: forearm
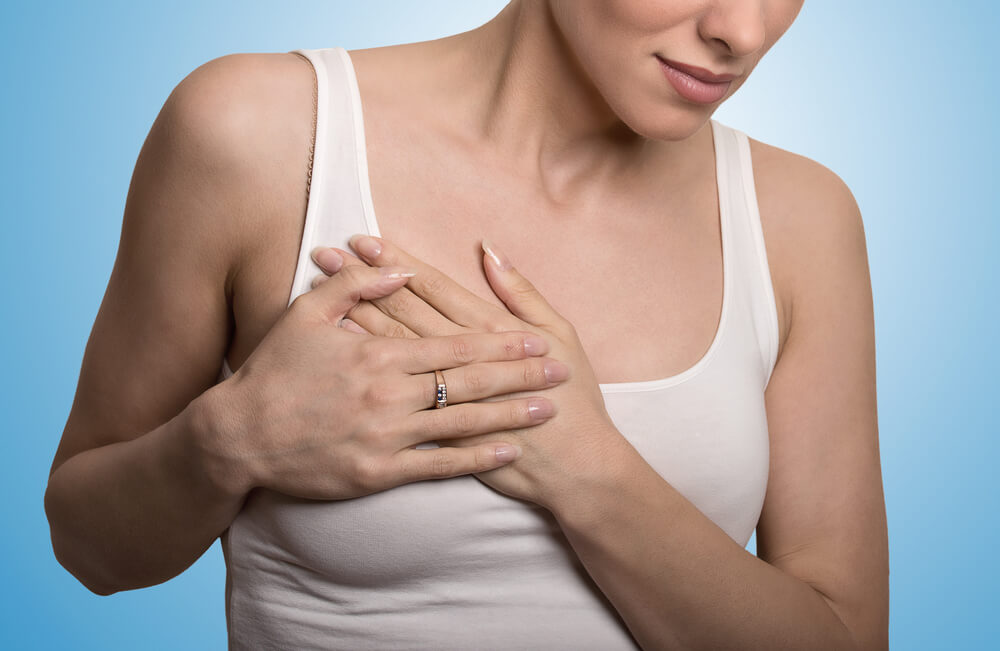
<point>137,513</point>
<point>677,579</point>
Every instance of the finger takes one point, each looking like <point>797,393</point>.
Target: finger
<point>473,418</point>
<point>327,259</point>
<point>518,294</point>
<point>442,463</point>
<point>348,324</point>
<point>372,319</point>
<point>403,307</point>
<point>335,297</point>
<point>429,354</point>
<point>366,317</point>
<point>479,381</point>
<point>441,292</point>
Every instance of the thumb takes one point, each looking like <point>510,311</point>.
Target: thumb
<point>338,294</point>
<point>516,291</point>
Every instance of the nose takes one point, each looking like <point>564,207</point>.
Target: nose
<point>738,24</point>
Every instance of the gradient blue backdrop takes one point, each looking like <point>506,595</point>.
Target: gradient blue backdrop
<point>897,97</point>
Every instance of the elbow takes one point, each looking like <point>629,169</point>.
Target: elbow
<point>99,589</point>
<point>67,554</point>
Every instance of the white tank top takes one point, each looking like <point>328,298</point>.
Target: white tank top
<point>454,564</point>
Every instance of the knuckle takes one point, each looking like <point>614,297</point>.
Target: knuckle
<point>473,381</point>
<point>463,422</point>
<point>387,255</point>
<point>517,412</point>
<point>353,273</point>
<point>513,346</point>
<point>461,350</point>
<point>523,289</point>
<point>420,350</point>
<point>484,459</point>
<point>365,474</point>
<point>437,422</point>
<point>495,326</point>
<point>434,285</point>
<point>442,465</point>
<point>396,330</point>
<point>407,470</point>
<point>566,327</point>
<point>374,355</point>
<point>302,302</point>
<point>309,307</point>
<point>533,373</point>
<point>352,278</point>
<point>394,304</point>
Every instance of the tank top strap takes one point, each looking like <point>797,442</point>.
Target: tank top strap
<point>753,299</point>
<point>335,208</point>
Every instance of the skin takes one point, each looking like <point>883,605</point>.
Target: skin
<point>568,116</point>
<point>821,579</point>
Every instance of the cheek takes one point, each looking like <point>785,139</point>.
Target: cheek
<point>606,24</point>
<point>649,16</point>
<point>779,16</point>
<point>611,39</point>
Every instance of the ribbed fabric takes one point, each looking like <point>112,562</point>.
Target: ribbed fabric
<point>454,564</point>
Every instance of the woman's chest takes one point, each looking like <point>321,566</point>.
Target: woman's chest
<point>644,290</point>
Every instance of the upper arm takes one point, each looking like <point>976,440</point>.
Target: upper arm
<point>164,322</point>
<point>823,519</point>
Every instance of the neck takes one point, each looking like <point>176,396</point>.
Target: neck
<point>528,100</point>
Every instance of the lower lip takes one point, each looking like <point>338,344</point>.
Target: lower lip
<point>696,90</point>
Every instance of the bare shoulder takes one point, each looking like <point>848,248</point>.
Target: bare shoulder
<point>812,225</point>
<point>256,114</point>
<point>251,117</point>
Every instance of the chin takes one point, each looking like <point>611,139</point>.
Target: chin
<point>669,122</point>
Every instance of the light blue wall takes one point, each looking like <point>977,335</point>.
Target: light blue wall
<point>897,97</point>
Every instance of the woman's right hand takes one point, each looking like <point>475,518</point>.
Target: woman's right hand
<point>323,412</point>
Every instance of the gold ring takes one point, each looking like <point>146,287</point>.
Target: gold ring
<point>442,390</point>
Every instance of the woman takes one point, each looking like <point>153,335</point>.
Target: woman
<point>662,280</point>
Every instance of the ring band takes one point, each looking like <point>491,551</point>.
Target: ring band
<point>442,390</point>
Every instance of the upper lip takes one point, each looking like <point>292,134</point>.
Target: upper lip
<point>696,72</point>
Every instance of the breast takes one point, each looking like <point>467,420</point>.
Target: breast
<point>710,444</point>
<point>456,548</point>
<point>706,437</point>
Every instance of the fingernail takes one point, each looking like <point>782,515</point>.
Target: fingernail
<point>327,258</point>
<point>366,246</point>
<point>535,345</point>
<point>507,453</point>
<point>540,409</point>
<point>499,259</point>
<point>556,371</point>
<point>393,273</point>
<point>348,324</point>
<point>319,280</point>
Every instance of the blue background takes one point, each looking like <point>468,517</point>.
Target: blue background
<point>897,97</point>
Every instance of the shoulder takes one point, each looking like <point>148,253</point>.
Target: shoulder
<point>238,106</point>
<point>239,128</point>
<point>812,226</point>
<point>230,94</point>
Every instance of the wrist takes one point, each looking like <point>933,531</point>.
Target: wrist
<point>595,493</point>
<point>218,433</point>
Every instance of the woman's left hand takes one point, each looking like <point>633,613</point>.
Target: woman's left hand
<point>577,442</point>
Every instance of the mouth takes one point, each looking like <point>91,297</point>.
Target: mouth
<point>695,84</point>
<point>701,74</point>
